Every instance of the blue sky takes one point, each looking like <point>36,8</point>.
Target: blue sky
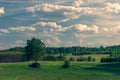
<point>60,22</point>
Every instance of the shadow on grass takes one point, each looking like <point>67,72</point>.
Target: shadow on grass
<point>108,67</point>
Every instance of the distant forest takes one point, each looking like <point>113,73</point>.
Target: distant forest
<point>75,50</point>
<point>17,54</point>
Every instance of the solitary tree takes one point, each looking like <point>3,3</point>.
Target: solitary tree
<point>35,49</point>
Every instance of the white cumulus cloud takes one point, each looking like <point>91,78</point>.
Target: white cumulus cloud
<point>115,29</point>
<point>112,7</point>
<point>2,11</point>
<point>60,13</point>
<point>49,24</point>
<point>18,43</point>
<point>53,41</point>
<point>4,31</point>
<point>22,28</point>
<point>84,28</point>
<point>78,3</point>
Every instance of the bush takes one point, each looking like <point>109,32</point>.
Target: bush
<point>93,59</point>
<point>66,64</point>
<point>72,59</point>
<point>108,59</point>
<point>82,59</point>
<point>61,58</point>
<point>34,65</point>
<point>49,58</point>
<point>53,58</point>
<point>89,58</point>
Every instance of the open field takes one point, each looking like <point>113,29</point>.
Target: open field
<point>53,71</point>
<point>96,56</point>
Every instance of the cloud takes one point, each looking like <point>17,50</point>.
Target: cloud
<point>79,36</point>
<point>59,13</point>
<point>2,47</point>
<point>70,43</point>
<point>78,3</point>
<point>53,41</point>
<point>83,28</point>
<point>57,40</point>
<point>33,1</point>
<point>2,11</point>
<point>54,27</point>
<point>95,1</point>
<point>4,31</point>
<point>47,28</point>
<point>22,28</point>
<point>61,22</point>
<point>63,13</point>
<point>115,29</point>
<point>49,24</point>
<point>52,33</point>
<point>112,7</point>
<point>106,42</point>
<point>57,35</point>
<point>17,29</point>
<point>18,43</point>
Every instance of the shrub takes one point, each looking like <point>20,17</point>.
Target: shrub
<point>49,58</point>
<point>93,59</point>
<point>82,59</point>
<point>66,64</point>
<point>108,59</point>
<point>72,59</point>
<point>34,65</point>
<point>89,58</point>
<point>61,58</point>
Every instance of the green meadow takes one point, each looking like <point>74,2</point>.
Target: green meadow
<point>96,56</point>
<point>53,71</point>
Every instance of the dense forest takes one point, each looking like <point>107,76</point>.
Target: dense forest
<point>17,54</point>
<point>84,50</point>
<point>76,50</point>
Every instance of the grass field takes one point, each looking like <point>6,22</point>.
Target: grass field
<point>53,71</point>
<point>96,56</point>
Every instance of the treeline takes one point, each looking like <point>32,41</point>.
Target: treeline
<point>13,55</point>
<point>17,54</point>
<point>76,50</point>
<point>111,58</point>
<point>13,50</point>
<point>12,58</point>
<point>84,50</point>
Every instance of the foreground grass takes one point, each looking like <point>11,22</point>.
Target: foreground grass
<point>53,71</point>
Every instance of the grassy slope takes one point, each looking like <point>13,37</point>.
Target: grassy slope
<point>52,71</point>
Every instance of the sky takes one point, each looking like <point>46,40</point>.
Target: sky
<point>60,23</point>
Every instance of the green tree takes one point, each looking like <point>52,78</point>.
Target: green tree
<point>35,49</point>
<point>89,58</point>
<point>72,59</point>
<point>66,64</point>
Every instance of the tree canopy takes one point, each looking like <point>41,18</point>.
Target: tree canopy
<point>35,49</point>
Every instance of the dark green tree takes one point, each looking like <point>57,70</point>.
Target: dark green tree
<point>35,49</point>
<point>66,64</point>
<point>89,58</point>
